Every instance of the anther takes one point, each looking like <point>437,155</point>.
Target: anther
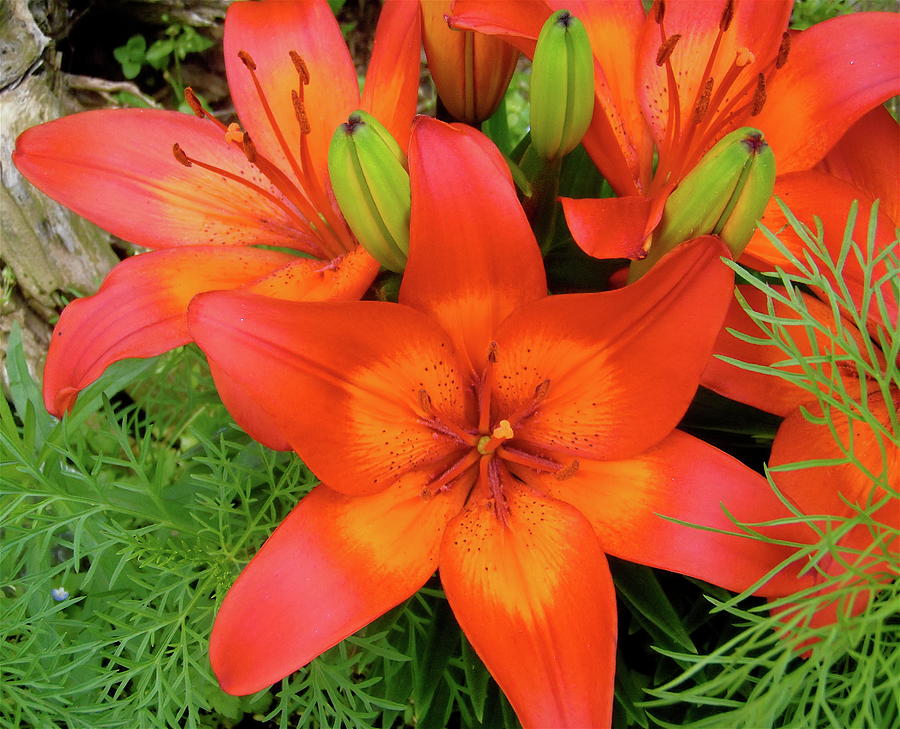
<point>234,133</point>
<point>759,96</point>
<point>179,154</point>
<point>783,50</point>
<point>249,148</point>
<point>300,65</point>
<point>300,112</point>
<point>492,352</point>
<point>727,16</point>
<point>567,472</point>
<point>425,402</point>
<point>665,50</point>
<point>659,11</point>
<point>192,101</point>
<point>703,101</point>
<point>540,392</point>
<point>247,60</point>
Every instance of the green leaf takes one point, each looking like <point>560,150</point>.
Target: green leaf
<point>441,643</point>
<point>24,391</point>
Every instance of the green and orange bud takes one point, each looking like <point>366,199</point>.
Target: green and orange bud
<point>725,194</point>
<point>371,185</point>
<point>562,86</point>
<point>471,71</point>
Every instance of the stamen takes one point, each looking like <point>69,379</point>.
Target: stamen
<point>192,101</point>
<point>568,471</point>
<point>659,11</point>
<point>759,96</point>
<point>532,461</point>
<point>492,352</point>
<point>300,65</point>
<point>495,488</point>
<point>783,50</point>
<point>249,148</point>
<point>540,392</point>
<point>727,16</point>
<point>234,133</point>
<point>300,112</point>
<point>425,402</point>
<point>442,481</point>
<point>247,60</point>
<point>179,154</point>
<point>703,101</point>
<point>666,48</point>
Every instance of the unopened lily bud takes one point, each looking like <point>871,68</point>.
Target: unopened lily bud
<point>471,71</point>
<point>562,86</point>
<point>372,188</point>
<point>725,194</point>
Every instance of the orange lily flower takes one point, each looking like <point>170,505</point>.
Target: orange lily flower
<point>203,195</point>
<point>480,427</point>
<point>838,489</point>
<point>679,78</point>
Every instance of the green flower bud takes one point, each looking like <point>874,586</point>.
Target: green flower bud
<point>562,86</point>
<point>366,166</point>
<point>725,194</point>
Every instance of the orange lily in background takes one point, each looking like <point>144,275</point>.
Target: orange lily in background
<point>204,194</point>
<point>505,437</point>
<point>834,488</point>
<point>679,78</point>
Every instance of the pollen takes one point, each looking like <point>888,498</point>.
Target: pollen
<point>503,431</point>
<point>234,133</point>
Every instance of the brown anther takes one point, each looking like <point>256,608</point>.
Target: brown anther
<point>759,96</point>
<point>249,148</point>
<point>783,50</point>
<point>300,112</point>
<point>492,352</point>
<point>567,472</point>
<point>247,60</point>
<point>703,101</point>
<point>666,48</point>
<point>192,101</point>
<point>425,402</point>
<point>179,154</point>
<point>300,65</point>
<point>540,392</point>
<point>659,11</point>
<point>727,16</point>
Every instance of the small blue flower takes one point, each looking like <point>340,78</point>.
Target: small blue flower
<point>59,593</point>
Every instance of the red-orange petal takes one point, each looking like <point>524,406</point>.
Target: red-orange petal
<point>392,79</point>
<point>535,598</point>
<point>612,227</point>
<point>836,72</point>
<point>344,380</point>
<point>622,365</point>
<point>268,32</point>
<point>815,195</point>
<point>472,256</point>
<point>116,168</point>
<point>766,392</point>
<point>868,157</point>
<point>140,310</point>
<point>333,565</point>
<point>686,479</point>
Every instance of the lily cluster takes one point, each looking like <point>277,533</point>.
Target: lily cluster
<point>479,426</point>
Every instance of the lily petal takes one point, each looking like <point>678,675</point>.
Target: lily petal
<point>610,227</point>
<point>766,392</point>
<point>473,258</point>
<point>268,32</point>
<point>332,566</point>
<point>535,598</point>
<point>836,72</point>
<point>116,168</point>
<point>811,195</point>
<point>140,310</point>
<point>686,479</point>
<point>345,380</point>
<point>392,79</point>
<point>868,157</point>
<point>622,365</point>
